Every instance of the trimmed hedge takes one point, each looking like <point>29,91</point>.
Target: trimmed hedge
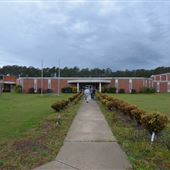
<point>109,90</point>
<point>69,89</point>
<point>64,103</point>
<point>152,121</point>
<point>60,105</point>
<point>148,90</point>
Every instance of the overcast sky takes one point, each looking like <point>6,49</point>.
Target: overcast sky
<point>106,34</point>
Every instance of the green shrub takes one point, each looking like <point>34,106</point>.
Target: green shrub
<point>128,108</point>
<point>111,90</point>
<point>108,89</point>
<point>18,89</point>
<point>148,90</point>
<point>31,90</point>
<point>121,91</point>
<point>66,90</point>
<point>104,89</point>
<point>154,121</point>
<point>69,89</point>
<point>60,105</point>
<point>48,91</point>
<point>137,114</point>
<point>109,105</point>
<point>133,91</point>
<point>74,89</point>
<point>64,103</point>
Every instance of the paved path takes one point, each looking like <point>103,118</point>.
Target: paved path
<point>89,144</point>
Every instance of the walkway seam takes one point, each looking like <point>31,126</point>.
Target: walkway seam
<point>90,141</point>
<point>67,164</point>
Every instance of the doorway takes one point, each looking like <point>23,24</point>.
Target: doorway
<point>89,86</point>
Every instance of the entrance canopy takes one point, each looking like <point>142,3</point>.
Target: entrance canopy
<point>87,81</point>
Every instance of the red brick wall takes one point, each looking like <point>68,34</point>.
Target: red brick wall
<point>163,87</point>
<point>169,77</point>
<point>27,83</point>
<point>163,77</point>
<point>54,84</point>
<point>124,84</point>
<point>137,84</point>
<point>157,77</point>
<point>63,83</point>
<point>112,83</point>
<point>45,84</point>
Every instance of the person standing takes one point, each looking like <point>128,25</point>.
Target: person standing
<point>87,95</point>
<point>93,93</point>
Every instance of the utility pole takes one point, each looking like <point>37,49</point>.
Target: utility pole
<point>42,77</point>
<point>59,77</point>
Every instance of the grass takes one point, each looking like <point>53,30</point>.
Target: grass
<point>20,112</point>
<point>148,102</point>
<point>135,140</point>
<point>41,140</point>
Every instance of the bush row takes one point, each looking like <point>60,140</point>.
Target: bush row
<point>64,103</point>
<point>152,121</point>
<point>69,89</point>
<point>133,91</point>
<point>32,90</point>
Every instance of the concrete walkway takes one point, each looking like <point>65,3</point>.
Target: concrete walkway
<point>89,144</point>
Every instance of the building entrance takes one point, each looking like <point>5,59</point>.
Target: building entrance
<point>89,86</point>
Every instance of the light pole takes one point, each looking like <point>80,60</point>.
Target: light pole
<point>41,77</point>
<point>59,77</point>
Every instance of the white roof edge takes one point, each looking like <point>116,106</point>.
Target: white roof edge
<point>155,81</point>
<point>160,74</point>
<point>77,78</point>
<point>9,82</point>
<point>89,81</point>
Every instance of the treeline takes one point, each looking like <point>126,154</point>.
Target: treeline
<point>24,71</point>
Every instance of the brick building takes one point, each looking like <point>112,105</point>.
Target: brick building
<point>7,83</point>
<point>161,82</point>
<point>126,83</point>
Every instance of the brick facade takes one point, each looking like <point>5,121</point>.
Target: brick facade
<point>160,82</point>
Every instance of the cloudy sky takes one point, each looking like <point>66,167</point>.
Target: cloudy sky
<point>85,33</point>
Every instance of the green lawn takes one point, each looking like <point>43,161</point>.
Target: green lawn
<point>148,102</point>
<point>29,133</point>
<point>20,112</point>
<point>135,140</point>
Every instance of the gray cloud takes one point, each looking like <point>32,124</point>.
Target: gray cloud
<point>119,35</point>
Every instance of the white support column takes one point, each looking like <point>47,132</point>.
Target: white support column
<point>130,85</point>
<point>35,85</point>
<point>117,85</point>
<point>100,87</point>
<point>78,87</point>
<point>168,88</point>
<point>158,87</point>
<point>49,83</point>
